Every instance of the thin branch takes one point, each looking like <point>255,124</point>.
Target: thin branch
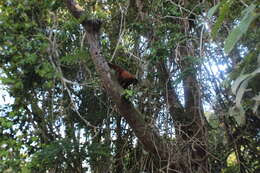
<point>53,52</point>
<point>136,57</point>
<point>73,83</point>
<point>82,40</point>
<point>243,3</point>
<point>201,40</point>
<point>58,69</point>
<point>121,33</point>
<point>185,9</point>
<point>176,17</point>
<point>74,8</point>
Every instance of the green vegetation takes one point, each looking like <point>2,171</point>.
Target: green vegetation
<point>196,107</point>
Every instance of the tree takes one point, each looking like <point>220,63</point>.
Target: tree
<point>70,114</point>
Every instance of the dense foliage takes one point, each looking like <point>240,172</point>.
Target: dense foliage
<point>198,65</point>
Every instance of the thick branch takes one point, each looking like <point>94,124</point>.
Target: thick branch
<point>74,8</point>
<point>175,107</point>
<point>148,137</point>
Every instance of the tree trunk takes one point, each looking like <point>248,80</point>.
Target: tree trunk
<point>192,144</point>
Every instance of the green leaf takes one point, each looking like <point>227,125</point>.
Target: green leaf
<point>242,28</point>
<point>238,114</point>
<point>237,83</point>
<point>212,10</point>
<point>241,92</point>
<point>240,85</point>
<point>223,11</point>
<point>128,93</point>
<point>239,88</point>
<point>31,58</point>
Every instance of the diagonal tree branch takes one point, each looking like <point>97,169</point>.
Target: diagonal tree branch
<point>74,8</point>
<point>148,136</point>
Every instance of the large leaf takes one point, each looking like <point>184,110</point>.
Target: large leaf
<point>224,8</point>
<point>237,83</point>
<point>239,88</point>
<point>240,85</point>
<point>212,10</point>
<point>238,31</point>
<point>241,92</point>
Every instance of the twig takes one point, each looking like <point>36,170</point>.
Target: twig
<point>64,83</point>
<point>243,3</point>
<point>53,52</point>
<point>185,9</point>
<point>201,40</point>
<point>177,17</point>
<point>82,40</point>
<point>136,57</point>
<point>121,33</point>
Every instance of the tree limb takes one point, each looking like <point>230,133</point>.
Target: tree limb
<point>148,136</point>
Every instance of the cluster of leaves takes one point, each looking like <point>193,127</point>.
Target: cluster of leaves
<point>241,40</point>
<point>249,14</point>
<point>240,85</point>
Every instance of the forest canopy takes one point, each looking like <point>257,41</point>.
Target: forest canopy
<point>194,106</point>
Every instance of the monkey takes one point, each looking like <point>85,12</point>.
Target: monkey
<point>124,77</point>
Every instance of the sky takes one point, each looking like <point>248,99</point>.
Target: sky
<point>4,96</point>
